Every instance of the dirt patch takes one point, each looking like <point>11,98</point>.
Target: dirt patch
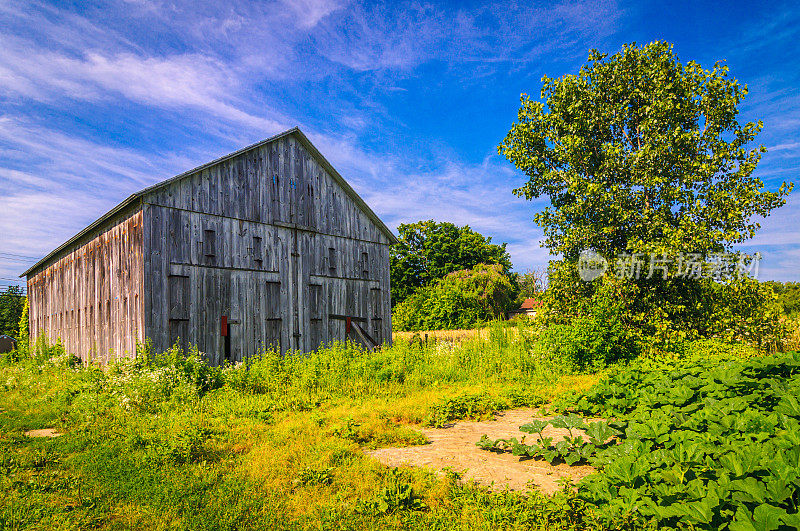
<point>46,432</point>
<point>454,447</point>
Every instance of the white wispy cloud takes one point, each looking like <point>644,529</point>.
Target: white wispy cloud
<point>790,147</point>
<point>219,76</point>
<point>310,12</point>
<point>57,184</point>
<point>66,162</point>
<point>177,81</point>
<point>377,37</point>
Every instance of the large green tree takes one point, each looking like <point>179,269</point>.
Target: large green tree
<point>641,153</point>
<point>12,301</point>
<point>428,251</point>
<point>788,296</point>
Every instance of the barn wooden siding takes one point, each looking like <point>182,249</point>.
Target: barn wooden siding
<point>90,298</point>
<point>269,240</point>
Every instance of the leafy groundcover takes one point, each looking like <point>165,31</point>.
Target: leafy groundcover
<point>694,443</point>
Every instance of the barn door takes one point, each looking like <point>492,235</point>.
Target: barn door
<point>212,295</point>
<point>315,313</point>
<point>236,345</point>
<point>178,286</point>
<point>296,291</point>
<point>375,314</point>
<point>349,313</point>
<point>263,321</point>
<point>272,322</point>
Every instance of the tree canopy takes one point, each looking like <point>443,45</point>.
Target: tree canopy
<point>459,300</point>
<point>641,153</point>
<point>11,302</point>
<point>428,251</point>
<point>788,296</point>
<point>644,155</point>
<point>531,283</point>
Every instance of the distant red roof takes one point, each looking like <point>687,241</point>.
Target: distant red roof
<point>529,304</point>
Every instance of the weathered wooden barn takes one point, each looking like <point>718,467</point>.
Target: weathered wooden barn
<point>267,247</point>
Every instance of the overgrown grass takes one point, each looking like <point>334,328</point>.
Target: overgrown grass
<point>272,443</point>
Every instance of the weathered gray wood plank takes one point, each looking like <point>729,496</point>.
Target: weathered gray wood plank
<point>282,290</point>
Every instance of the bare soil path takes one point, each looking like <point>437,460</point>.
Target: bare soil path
<point>454,447</point>
<point>46,432</point>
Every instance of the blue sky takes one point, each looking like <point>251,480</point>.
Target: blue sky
<point>407,100</point>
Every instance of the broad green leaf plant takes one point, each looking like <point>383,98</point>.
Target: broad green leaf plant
<point>705,441</point>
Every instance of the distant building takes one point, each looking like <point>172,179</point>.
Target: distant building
<point>7,344</point>
<point>528,307</point>
<point>267,247</point>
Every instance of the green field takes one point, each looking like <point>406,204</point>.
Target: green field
<point>165,441</point>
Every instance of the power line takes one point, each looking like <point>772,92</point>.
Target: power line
<point>15,255</point>
<point>15,260</point>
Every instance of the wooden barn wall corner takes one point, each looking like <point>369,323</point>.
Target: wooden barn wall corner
<point>268,240</point>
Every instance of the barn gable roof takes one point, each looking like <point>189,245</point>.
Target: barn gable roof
<point>134,198</point>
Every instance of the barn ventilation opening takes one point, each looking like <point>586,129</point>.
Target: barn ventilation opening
<point>210,243</point>
<point>258,257</point>
<point>331,261</point>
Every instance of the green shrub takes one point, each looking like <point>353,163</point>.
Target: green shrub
<point>656,314</point>
<point>12,303</point>
<point>189,367</point>
<point>715,349</point>
<point>602,332</point>
<point>479,405</point>
<point>522,397</point>
<point>43,351</point>
<point>746,310</point>
<point>23,337</point>
<point>462,299</point>
<point>427,251</point>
